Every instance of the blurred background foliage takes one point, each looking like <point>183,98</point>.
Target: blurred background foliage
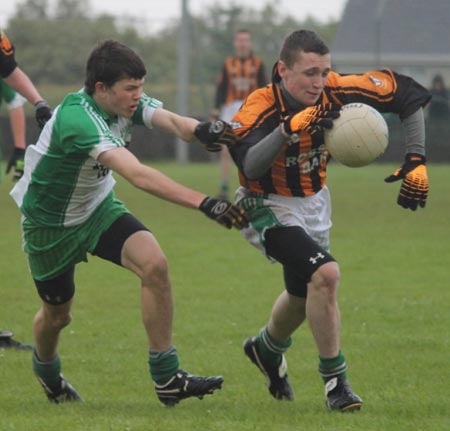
<point>53,43</point>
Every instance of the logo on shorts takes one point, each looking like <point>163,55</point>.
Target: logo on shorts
<point>56,299</point>
<point>315,259</point>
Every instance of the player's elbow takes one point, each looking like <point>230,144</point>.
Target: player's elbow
<point>138,179</point>
<point>253,172</point>
<point>252,175</point>
<point>140,182</point>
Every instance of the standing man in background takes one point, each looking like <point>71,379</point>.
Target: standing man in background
<point>241,74</point>
<point>17,79</point>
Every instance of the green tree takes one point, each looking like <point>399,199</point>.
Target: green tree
<point>54,48</point>
<point>32,10</point>
<point>53,44</point>
<point>72,9</point>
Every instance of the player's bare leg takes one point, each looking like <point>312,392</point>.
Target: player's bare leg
<point>48,324</point>
<point>142,254</point>
<point>266,350</point>
<point>49,321</point>
<point>322,309</point>
<point>323,316</point>
<point>288,313</point>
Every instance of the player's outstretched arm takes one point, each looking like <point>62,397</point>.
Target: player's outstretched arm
<point>212,134</point>
<point>155,182</point>
<point>20,81</point>
<point>17,121</point>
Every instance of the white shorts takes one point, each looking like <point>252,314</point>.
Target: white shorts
<point>228,111</point>
<point>312,213</point>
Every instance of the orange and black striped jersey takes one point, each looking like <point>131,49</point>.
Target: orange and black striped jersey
<point>239,77</point>
<point>300,168</point>
<point>7,60</point>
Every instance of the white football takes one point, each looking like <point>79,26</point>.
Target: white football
<point>358,137</point>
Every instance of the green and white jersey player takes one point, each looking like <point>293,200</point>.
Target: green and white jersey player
<point>69,183</point>
<point>69,209</point>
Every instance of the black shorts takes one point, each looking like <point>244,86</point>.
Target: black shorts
<point>299,254</point>
<point>61,289</point>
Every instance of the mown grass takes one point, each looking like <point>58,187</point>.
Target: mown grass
<point>394,301</point>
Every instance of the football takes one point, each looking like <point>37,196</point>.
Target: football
<point>358,137</point>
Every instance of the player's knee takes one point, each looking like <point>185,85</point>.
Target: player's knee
<point>326,277</point>
<point>58,319</point>
<point>155,272</point>
<point>64,320</point>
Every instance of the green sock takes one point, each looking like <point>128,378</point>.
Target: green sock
<point>224,187</point>
<point>49,372</point>
<point>271,349</point>
<point>163,365</point>
<point>332,367</point>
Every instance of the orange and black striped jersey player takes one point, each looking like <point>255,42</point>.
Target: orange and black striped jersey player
<point>241,74</point>
<point>16,78</point>
<point>281,157</point>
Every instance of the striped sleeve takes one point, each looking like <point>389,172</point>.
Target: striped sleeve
<point>84,131</point>
<point>385,90</point>
<point>146,108</point>
<point>7,59</point>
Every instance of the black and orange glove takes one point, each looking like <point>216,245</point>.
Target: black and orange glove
<point>224,213</point>
<point>214,134</point>
<point>312,119</point>
<point>16,162</point>
<point>414,189</point>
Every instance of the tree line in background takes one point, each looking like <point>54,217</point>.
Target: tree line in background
<point>52,44</point>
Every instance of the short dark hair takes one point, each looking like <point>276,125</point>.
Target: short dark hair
<point>242,30</point>
<point>111,61</point>
<point>301,41</point>
<point>438,79</point>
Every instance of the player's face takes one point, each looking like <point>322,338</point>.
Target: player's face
<point>122,98</point>
<point>306,79</point>
<point>242,44</point>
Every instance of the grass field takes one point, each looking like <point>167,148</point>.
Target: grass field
<point>394,301</point>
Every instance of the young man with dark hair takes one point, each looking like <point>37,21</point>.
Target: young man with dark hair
<point>282,159</point>
<point>69,209</point>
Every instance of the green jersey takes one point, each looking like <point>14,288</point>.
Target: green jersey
<point>63,183</point>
